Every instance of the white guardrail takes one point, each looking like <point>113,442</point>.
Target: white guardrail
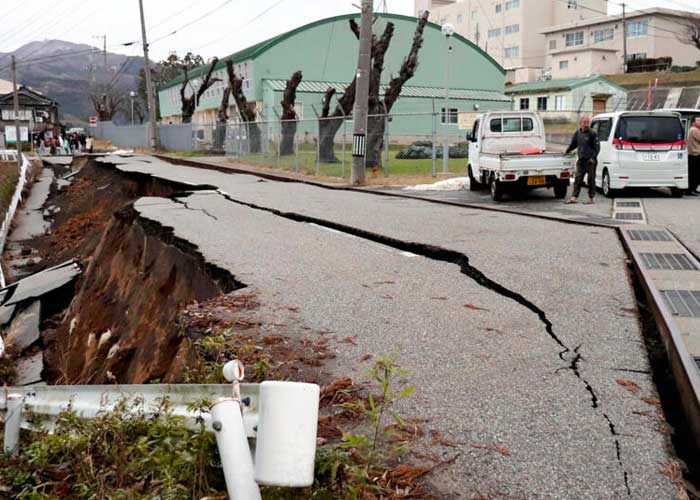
<point>9,155</point>
<point>280,416</point>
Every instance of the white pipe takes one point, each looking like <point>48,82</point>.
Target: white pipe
<point>13,419</point>
<point>236,459</point>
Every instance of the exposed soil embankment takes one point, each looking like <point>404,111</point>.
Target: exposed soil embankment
<point>121,326</point>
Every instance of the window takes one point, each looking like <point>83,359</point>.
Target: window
<point>499,7</point>
<point>510,52</point>
<point>575,38</point>
<point>512,4</point>
<point>474,12</point>
<point>560,103</point>
<point>602,128</point>
<point>636,55</point>
<point>513,28</point>
<point>603,35</point>
<point>552,44</point>
<point>511,124</point>
<point>650,129</point>
<point>299,110</point>
<point>453,118</point>
<point>494,32</point>
<point>564,64</point>
<point>525,103</point>
<point>542,104</point>
<point>637,28</point>
<point>460,18</point>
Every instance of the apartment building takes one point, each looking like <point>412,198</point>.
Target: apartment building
<point>510,30</point>
<point>595,46</point>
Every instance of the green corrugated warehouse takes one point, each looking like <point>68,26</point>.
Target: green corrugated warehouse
<point>326,53</point>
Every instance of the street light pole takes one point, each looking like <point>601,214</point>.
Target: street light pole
<point>447,30</point>
<point>15,107</point>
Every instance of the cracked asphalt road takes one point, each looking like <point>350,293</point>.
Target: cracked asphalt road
<point>484,376</point>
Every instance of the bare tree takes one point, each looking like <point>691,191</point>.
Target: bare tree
<point>288,121</point>
<point>190,103</point>
<point>246,112</point>
<point>331,122</point>
<point>377,107</point>
<point>692,32</point>
<point>107,102</point>
<point>222,119</point>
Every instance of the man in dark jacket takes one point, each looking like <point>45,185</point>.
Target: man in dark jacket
<point>586,142</point>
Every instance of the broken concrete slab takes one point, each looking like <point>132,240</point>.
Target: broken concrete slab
<point>39,284</point>
<point>30,220</point>
<point>29,369</point>
<point>24,330</point>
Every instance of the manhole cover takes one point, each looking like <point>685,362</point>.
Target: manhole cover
<point>668,261</point>
<point>628,216</point>
<point>628,204</point>
<point>684,303</point>
<point>648,235</point>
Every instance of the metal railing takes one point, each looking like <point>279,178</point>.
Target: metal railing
<point>280,416</point>
<point>6,155</point>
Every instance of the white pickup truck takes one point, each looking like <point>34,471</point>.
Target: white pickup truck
<point>507,153</point>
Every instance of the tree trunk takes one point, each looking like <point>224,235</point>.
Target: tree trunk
<point>375,141</point>
<point>328,128</point>
<point>254,137</point>
<point>246,113</point>
<point>289,132</point>
<point>288,123</point>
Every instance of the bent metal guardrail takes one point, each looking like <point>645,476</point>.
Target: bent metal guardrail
<point>280,416</point>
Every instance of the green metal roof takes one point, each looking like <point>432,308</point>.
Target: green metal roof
<point>255,50</point>
<point>320,87</point>
<point>553,85</point>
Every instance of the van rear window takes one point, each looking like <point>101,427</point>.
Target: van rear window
<point>650,129</point>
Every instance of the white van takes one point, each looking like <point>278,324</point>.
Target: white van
<point>641,149</point>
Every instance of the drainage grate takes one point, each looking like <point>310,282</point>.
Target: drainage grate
<point>668,261</point>
<point>628,216</point>
<point>648,235</point>
<point>685,303</point>
<point>628,204</point>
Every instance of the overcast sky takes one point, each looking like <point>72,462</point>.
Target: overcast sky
<point>230,26</point>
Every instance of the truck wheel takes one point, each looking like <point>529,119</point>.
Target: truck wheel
<point>496,190</point>
<point>607,190</point>
<point>474,185</point>
<point>560,189</point>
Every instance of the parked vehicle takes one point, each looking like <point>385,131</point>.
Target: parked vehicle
<point>641,149</point>
<point>507,152</point>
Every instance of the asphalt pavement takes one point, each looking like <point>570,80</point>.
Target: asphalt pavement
<point>521,346</point>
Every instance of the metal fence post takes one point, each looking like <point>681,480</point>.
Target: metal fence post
<point>13,419</point>
<point>296,149</point>
<point>340,108</point>
<point>318,141</point>
<point>434,141</point>
<point>386,141</point>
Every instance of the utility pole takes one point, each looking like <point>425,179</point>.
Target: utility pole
<point>360,110</point>
<point>624,39</point>
<point>15,103</point>
<point>149,83</point>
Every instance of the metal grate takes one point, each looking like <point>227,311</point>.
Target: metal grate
<point>628,204</point>
<point>628,216</point>
<point>668,261</point>
<point>648,235</point>
<point>684,303</point>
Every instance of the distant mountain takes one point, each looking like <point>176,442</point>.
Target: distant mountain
<point>69,77</point>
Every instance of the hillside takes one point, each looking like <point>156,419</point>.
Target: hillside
<point>67,78</point>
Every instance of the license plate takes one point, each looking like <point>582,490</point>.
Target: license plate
<point>651,157</point>
<point>536,180</point>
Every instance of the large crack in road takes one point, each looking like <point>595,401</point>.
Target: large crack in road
<point>441,254</point>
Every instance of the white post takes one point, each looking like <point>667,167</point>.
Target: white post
<point>236,460</point>
<point>447,30</point>
<point>13,419</point>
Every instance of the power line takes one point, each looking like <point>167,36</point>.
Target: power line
<point>196,20</point>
